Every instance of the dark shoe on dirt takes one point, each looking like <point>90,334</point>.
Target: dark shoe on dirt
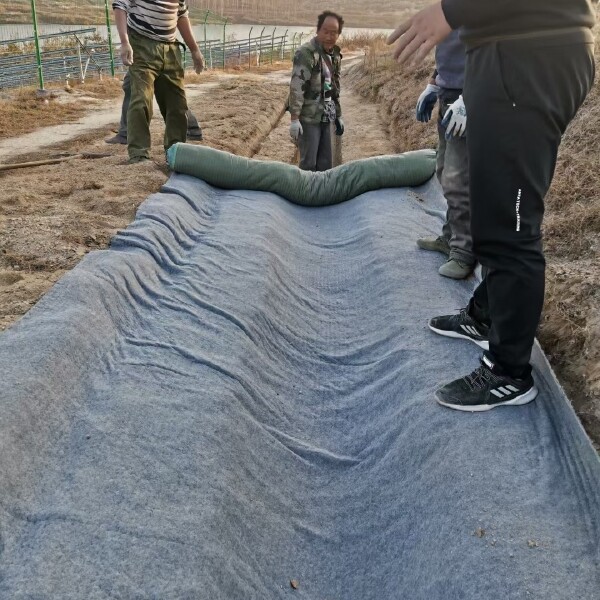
<point>438,244</point>
<point>455,269</point>
<point>486,388</point>
<point>117,139</point>
<point>462,326</point>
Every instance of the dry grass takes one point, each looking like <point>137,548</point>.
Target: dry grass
<point>570,330</point>
<point>362,41</point>
<point>236,69</point>
<point>247,111</point>
<point>396,89</point>
<point>22,111</point>
<point>570,327</point>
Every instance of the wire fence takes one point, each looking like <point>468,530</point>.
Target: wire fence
<point>44,41</point>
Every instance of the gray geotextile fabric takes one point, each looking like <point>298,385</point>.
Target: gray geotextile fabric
<point>239,393</point>
<point>228,171</point>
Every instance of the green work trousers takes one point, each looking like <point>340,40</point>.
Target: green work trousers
<point>157,69</point>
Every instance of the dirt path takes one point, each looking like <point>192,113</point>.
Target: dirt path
<point>366,134</point>
<point>103,114</point>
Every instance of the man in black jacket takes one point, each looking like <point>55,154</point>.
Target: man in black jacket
<point>529,68</point>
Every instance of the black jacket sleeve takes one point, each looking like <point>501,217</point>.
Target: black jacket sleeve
<point>475,13</point>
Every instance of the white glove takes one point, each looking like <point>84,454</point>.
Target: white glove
<point>198,61</point>
<point>295,130</point>
<point>455,119</point>
<point>126,53</point>
<point>426,102</point>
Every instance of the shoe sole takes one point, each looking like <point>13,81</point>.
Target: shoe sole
<point>525,398</point>
<point>459,336</point>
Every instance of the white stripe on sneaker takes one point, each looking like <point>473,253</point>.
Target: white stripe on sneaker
<point>482,343</point>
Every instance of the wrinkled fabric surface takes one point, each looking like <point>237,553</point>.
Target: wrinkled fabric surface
<point>239,393</point>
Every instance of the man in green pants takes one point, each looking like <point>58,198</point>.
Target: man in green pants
<point>194,131</point>
<point>148,31</point>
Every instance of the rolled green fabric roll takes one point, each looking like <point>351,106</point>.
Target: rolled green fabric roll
<point>305,188</point>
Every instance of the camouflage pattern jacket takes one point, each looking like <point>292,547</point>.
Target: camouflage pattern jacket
<point>307,86</point>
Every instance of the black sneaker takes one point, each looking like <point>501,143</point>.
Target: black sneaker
<point>462,326</point>
<point>485,389</point>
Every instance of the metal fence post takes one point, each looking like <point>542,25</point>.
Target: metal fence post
<point>293,50</point>
<point>260,46</point>
<point>109,33</point>
<point>224,40</point>
<point>250,49</point>
<point>273,43</point>
<point>38,54</point>
<point>283,43</point>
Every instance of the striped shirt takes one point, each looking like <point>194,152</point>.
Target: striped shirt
<point>155,19</point>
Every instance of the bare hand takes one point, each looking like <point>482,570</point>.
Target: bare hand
<point>198,61</point>
<point>126,54</point>
<point>420,34</point>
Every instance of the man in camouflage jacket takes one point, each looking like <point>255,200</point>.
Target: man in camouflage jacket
<point>314,95</point>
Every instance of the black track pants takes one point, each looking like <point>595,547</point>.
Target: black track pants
<point>520,96</point>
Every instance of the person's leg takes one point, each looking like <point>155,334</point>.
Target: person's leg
<point>308,145</point>
<point>455,183</point>
<point>325,151</point>
<point>192,122</point>
<point>170,96</point>
<point>147,62</point>
<point>121,136</point>
<point>439,171</point>
<point>479,306</point>
<point>520,97</point>
<point>440,243</point>
<point>454,179</point>
<point>125,106</point>
<point>194,131</point>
